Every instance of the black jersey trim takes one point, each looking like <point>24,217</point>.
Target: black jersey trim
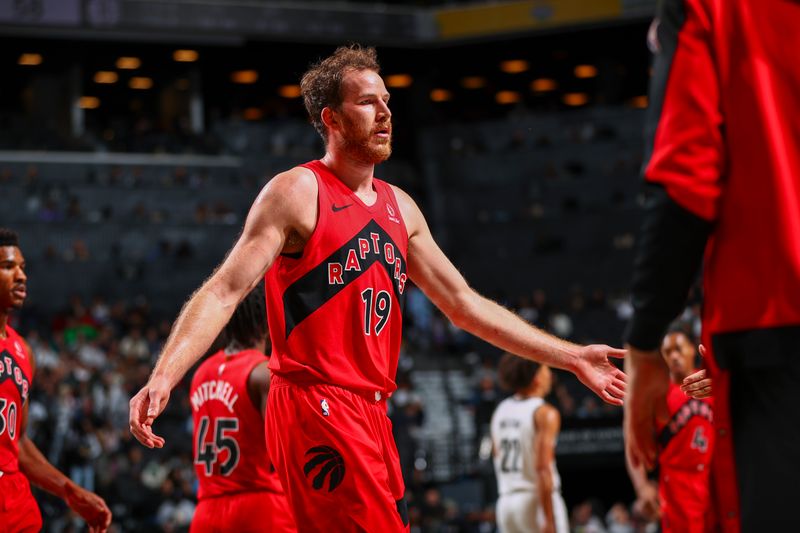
<point>303,297</point>
<point>8,366</point>
<point>682,417</point>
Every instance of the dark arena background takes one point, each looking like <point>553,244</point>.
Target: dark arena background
<point>135,134</point>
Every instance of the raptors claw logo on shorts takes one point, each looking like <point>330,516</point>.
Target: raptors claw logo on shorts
<point>332,467</point>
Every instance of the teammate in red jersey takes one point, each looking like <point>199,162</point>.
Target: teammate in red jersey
<point>723,179</point>
<point>681,498</point>
<point>228,398</point>
<point>338,246</point>
<point>21,461</point>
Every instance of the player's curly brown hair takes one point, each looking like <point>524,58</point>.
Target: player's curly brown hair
<point>321,85</point>
<point>515,373</point>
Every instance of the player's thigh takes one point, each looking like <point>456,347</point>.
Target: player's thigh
<point>517,513</point>
<point>560,513</point>
<point>330,459</point>
<point>250,512</point>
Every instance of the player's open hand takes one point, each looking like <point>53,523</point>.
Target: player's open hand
<point>698,385</point>
<point>597,372</point>
<point>90,506</point>
<point>645,405</point>
<point>145,407</point>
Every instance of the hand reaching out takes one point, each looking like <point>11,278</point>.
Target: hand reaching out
<point>698,385</point>
<point>596,371</point>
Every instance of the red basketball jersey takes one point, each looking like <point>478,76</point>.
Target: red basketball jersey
<point>15,383</point>
<point>230,451</point>
<point>687,439</point>
<point>335,311</point>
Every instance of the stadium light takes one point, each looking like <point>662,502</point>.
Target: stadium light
<point>105,77</point>
<point>473,82</point>
<point>441,95</point>
<point>639,102</point>
<point>514,66</point>
<point>185,56</point>
<point>399,81</point>
<point>543,85</point>
<point>575,99</point>
<point>30,60</point>
<point>507,97</point>
<point>89,102</point>
<point>585,71</point>
<point>141,83</point>
<point>128,63</point>
<point>253,113</point>
<point>289,91</point>
<point>245,77</point>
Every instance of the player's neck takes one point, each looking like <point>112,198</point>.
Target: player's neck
<point>3,324</point>
<point>529,392</point>
<point>357,175</point>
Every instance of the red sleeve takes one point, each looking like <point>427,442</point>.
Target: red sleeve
<point>683,169</point>
<point>688,154</point>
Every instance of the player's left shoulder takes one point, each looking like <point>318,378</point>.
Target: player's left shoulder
<point>547,416</point>
<point>410,211</point>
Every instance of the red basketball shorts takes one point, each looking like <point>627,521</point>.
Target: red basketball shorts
<point>685,502</point>
<point>19,512</point>
<point>248,512</point>
<point>334,452</point>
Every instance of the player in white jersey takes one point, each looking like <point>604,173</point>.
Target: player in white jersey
<point>524,432</point>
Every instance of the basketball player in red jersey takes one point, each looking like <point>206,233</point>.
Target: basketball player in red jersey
<point>228,397</point>
<point>682,498</point>
<point>338,247</point>
<point>21,461</point>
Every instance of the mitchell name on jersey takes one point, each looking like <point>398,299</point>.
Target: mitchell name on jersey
<point>216,389</point>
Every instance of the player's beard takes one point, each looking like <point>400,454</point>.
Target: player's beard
<point>363,145</point>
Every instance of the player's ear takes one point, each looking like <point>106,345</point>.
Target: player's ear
<point>329,118</point>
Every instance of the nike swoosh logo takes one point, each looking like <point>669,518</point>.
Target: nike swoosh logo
<point>336,208</point>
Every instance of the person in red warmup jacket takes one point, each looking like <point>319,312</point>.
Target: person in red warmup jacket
<point>723,179</point>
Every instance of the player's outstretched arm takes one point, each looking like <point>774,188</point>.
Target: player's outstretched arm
<point>286,206</point>
<point>42,474</point>
<point>436,276</point>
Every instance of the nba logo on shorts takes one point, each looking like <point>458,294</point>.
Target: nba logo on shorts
<point>325,409</point>
<point>392,214</point>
